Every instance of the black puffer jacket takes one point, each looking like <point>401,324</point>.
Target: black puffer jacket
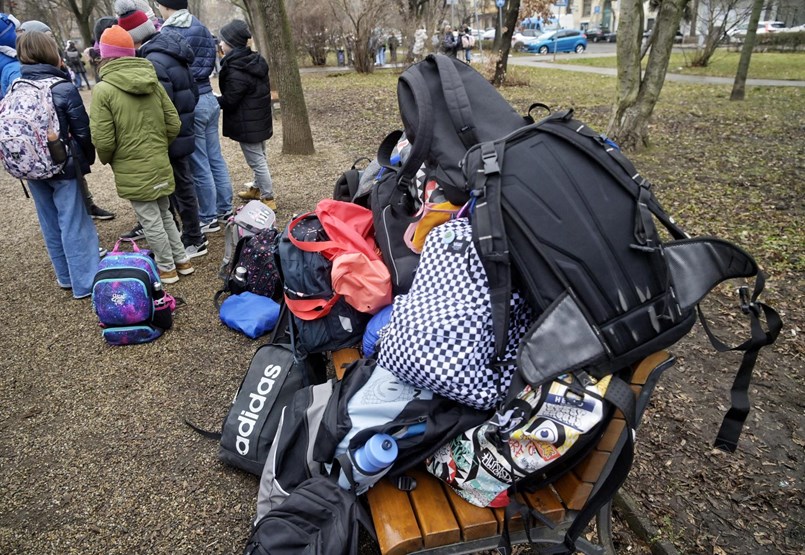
<point>245,96</point>
<point>73,117</point>
<point>171,56</point>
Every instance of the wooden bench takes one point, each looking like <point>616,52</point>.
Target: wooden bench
<point>433,519</point>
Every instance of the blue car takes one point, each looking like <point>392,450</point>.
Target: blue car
<point>563,40</point>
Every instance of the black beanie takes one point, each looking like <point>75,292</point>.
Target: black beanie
<point>102,24</point>
<point>236,33</point>
<point>173,4</point>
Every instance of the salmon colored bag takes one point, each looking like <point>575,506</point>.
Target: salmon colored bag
<point>358,273</point>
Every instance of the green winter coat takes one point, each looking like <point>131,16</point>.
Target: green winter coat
<point>133,121</point>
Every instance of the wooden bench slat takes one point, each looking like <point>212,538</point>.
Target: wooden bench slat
<point>611,435</point>
<point>546,502</point>
<point>572,491</point>
<point>343,358</point>
<point>393,516</point>
<point>590,468</point>
<point>475,522</point>
<point>647,365</point>
<point>433,511</point>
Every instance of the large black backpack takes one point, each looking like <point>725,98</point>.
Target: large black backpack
<point>558,211</point>
<point>561,212</point>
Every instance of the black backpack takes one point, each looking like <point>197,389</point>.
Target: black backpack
<point>276,372</point>
<point>256,255</point>
<point>446,108</point>
<point>317,518</point>
<point>580,241</point>
<point>346,186</point>
<point>306,276</point>
<point>576,235</point>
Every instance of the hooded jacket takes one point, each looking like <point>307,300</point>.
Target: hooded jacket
<point>245,96</point>
<point>171,56</point>
<point>9,68</point>
<point>133,121</point>
<point>201,42</point>
<point>74,128</point>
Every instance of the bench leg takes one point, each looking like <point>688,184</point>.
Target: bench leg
<point>603,523</point>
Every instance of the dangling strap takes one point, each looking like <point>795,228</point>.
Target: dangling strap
<point>732,425</point>
<point>489,236</point>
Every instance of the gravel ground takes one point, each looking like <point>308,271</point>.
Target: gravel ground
<point>94,454</point>
<point>95,457</point>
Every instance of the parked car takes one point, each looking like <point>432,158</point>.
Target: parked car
<point>678,37</point>
<point>488,34</point>
<point>739,32</point>
<point>600,34</point>
<point>521,39</point>
<point>563,40</point>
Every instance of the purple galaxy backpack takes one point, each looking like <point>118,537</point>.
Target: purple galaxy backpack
<point>128,298</point>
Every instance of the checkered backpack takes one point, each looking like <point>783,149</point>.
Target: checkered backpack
<point>440,336</point>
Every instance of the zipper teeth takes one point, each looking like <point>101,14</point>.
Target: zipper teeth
<point>396,276</point>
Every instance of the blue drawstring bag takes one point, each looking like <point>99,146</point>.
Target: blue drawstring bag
<point>371,335</point>
<point>250,313</point>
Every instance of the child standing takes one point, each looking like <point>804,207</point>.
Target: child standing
<point>246,102</point>
<point>133,121</point>
<point>69,233</point>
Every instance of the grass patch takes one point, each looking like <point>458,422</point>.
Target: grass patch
<point>765,65</point>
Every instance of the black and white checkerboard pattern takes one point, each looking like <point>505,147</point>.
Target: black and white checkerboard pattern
<point>440,335</point>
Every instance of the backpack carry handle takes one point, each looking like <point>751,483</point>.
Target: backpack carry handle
<point>132,242</point>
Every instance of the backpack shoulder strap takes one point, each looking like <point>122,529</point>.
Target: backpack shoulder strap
<point>455,95</point>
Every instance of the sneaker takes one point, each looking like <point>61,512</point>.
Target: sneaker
<point>204,240</point>
<point>101,252</point>
<point>185,268</point>
<point>194,251</point>
<point>63,286</point>
<point>252,193</point>
<point>84,296</point>
<point>135,234</point>
<point>100,214</point>
<point>223,218</point>
<point>210,227</point>
<point>270,202</point>
<point>168,276</point>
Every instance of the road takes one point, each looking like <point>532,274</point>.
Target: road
<point>606,50</point>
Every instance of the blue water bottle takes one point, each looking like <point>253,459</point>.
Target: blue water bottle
<point>375,455</point>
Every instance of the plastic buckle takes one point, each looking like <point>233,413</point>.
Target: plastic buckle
<point>745,302</point>
<point>490,159</point>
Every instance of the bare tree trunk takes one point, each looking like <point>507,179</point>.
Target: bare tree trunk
<point>82,10</point>
<point>270,23</point>
<point>636,96</point>
<point>504,42</point>
<point>739,86</point>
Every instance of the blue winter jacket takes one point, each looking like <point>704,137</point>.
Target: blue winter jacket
<point>171,56</point>
<point>9,70</point>
<point>203,45</point>
<point>73,118</point>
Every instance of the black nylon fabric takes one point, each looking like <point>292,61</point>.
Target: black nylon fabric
<point>248,430</point>
<point>318,518</point>
<point>464,109</point>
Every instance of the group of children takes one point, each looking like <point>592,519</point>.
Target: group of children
<point>133,125</point>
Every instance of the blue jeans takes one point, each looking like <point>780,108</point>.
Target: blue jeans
<point>210,173</point>
<point>69,233</point>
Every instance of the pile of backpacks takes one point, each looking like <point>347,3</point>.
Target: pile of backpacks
<point>500,275</point>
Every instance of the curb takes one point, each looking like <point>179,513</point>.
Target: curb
<point>641,525</point>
